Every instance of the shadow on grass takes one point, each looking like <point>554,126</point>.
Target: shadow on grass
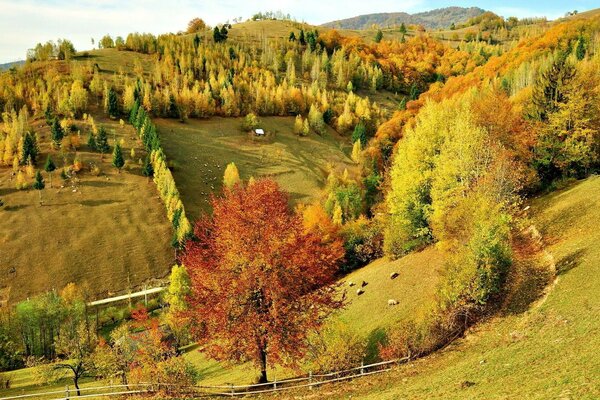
<point>569,262</point>
<point>15,208</point>
<point>100,184</point>
<point>7,191</point>
<point>96,203</point>
<point>375,338</point>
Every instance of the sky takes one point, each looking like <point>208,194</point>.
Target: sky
<point>24,23</point>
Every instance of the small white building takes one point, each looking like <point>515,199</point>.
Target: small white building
<point>259,132</point>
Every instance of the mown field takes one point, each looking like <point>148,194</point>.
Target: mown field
<point>201,149</point>
<point>109,232</point>
<point>547,351</point>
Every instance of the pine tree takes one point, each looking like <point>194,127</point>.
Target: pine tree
<point>360,133</point>
<point>49,167</point>
<point>30,148</point>
<point>113,103</point>
<point>301,38</point>
<point>403,29</point>
<point>102,141</point>
<point>56,132</point>
<point>292,37</point>
<point>378,36</point>
<point>48,115</point>
<point>91,141</point>
<point>39,184</point>
<point>118,160</point>
<point>147,168</point>
<point>217,35</point>
<point>580,50</point>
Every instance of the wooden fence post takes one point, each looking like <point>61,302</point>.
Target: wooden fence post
<point>310,386</point>
<point>67,394</point>
<point>362,367</point>
<point>275,383</point>
<point>231,388</point>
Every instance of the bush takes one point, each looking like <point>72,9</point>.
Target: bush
<point>363,242</point>
<point>95,170</point>
<point>336,348</point>
<point>250,122</point>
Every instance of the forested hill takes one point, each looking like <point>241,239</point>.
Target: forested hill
<point>10,65</point>
<point>438,18</point>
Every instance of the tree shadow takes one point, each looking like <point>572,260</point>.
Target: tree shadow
<point>7,191</point>
<point>15,208</point>
<point>570,261</point>
<point>95,203</point>
<point>375,338</point>
<point>100,184</point>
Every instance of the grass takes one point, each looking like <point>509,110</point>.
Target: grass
<point>108,231</point>
<point>201,149</point>
<point>23,381</point>
<point>367,315</point>
<point>548,351</point>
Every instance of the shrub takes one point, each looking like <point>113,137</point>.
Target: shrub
<point>363,242</point>
<point>335,349</point>
<point>250,122</point>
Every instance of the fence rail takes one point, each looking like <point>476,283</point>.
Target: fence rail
<point>309,381</point>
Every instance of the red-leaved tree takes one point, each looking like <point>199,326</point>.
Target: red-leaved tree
<point>260,283</point>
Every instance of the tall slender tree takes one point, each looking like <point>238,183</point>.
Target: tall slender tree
<point>49,167</point>
<point>39,184</point>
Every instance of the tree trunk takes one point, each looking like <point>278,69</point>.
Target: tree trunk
<point>76,383</point>
<point>263,365</point>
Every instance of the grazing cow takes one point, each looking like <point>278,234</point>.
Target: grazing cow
<point>394,275</point>
<point>359,292</point>
<point>392,302</point>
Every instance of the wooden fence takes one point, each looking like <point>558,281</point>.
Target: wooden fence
<point>309,381</point>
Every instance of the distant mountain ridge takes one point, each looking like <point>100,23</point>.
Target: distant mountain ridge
<point>9,65</point>
<point>434,19</point>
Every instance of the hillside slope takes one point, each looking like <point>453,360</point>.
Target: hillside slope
<point>434,19</point>
<point>549,351</point>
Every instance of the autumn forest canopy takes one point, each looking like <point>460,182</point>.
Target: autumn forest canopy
<point>420,140</point>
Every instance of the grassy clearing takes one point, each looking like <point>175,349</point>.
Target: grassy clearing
<point>23,381</point>
<point>113,61</point>
<point>548,351</point>
<point>201,149</point>
<point>108,231</point>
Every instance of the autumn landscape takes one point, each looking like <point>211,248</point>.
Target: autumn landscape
<point>378,203</point>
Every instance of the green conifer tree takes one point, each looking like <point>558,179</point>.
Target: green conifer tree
<point>39,184</point>
<point>113,103</point>
<point>147,168</point>
<point>118,160</point>
<point>30,148</point>
<point>91,141</point>
<point>102,141</point>
<point>49,167</point>
<point>56,132</point>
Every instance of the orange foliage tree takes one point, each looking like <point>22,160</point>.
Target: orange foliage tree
<point>260,283</point>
